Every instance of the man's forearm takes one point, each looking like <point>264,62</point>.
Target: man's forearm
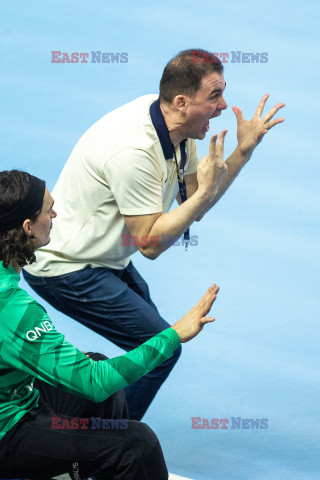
<point>235,163</point>
<point>170,226</point>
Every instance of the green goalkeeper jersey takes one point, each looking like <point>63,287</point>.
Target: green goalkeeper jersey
<point>30,347</point>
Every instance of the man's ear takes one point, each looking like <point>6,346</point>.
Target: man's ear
<point>27,224</point>
<point>181,102</point>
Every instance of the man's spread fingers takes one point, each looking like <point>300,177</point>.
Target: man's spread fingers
<point>212,146</point>
<point>261,105</point>
<point>220,144</point>
<point>222,137</point>
<point>274,122</point>
<point>272,112</point>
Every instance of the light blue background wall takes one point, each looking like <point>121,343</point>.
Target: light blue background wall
<point>260,243</point>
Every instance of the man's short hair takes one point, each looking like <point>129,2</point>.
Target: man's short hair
<point>183,74</point>
<point>15,243</point>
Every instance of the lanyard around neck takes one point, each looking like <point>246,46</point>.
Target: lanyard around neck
<point>182,183</point>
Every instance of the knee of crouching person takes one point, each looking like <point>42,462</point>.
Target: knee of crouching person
<point>96,356</point>
<point>177,352</point>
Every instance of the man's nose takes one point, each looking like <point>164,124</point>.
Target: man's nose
<point>222,104</point>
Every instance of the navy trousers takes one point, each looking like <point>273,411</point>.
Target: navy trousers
<point>117,305</point>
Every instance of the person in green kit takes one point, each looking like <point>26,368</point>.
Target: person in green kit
<point>51,392</point>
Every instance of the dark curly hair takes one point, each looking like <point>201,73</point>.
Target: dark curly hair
<point>184,72</point>
<point>15,243</point>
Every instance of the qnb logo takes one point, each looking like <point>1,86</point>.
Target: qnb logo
<point>38,331</point>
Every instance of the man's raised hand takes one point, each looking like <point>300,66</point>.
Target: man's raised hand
<point>193,322</point>
<point>250,133</point>
<point>212,169</point>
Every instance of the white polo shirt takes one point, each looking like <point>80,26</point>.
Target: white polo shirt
<point>117,168</point>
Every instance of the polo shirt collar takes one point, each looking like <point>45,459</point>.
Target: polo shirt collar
<point>161,129</point>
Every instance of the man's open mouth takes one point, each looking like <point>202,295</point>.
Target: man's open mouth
<point>206,126</point>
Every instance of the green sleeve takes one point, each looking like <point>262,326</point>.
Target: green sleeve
<point>46,355</point>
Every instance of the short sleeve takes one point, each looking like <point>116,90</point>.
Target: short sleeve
<point>135,180</point>
<point>193,158</point>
